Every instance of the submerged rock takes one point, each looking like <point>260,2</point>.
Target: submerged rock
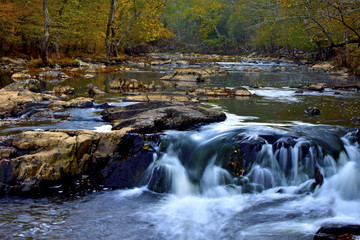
<point>312,111</point>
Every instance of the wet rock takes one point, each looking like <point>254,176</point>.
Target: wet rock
<point>89,76</point>
<point>312,111</point>
<point>159,181</point>
<point>64,90</point>
<point>355,119</point>
<point>337,231</point>
<point>315,87</point>
<point>20,75</point>
<point>79,102</point>
<point>249,149</point>
<point>125,168</point>
<point>29,84</point>
<point>124,85</point>
<point>299,91</point>
<point>45,159</point>
<point>15,103</point>
<point>163,116</point>
<point>194,74</point>
<point>242,92</point>
<point>319,179</point>
<point>94,90</point>
<point>52,74</point>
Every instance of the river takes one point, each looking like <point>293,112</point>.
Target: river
<point>276,198</point>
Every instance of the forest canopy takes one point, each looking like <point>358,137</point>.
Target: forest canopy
<point>321,28</point>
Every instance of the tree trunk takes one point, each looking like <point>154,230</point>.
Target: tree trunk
<point>110,29</point>
<point>44,43</point>
<point>57,44</point>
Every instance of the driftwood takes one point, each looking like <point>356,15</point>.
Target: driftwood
<point>349,86</point>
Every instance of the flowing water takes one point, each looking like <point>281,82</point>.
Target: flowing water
<point>275,199</point>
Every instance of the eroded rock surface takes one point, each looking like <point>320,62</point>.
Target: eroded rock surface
<point>157,116</point>
<point>31,163</point>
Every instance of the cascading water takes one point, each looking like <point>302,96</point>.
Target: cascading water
<point>277,198</point>
<point>197,161</point>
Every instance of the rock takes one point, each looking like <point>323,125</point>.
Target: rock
<point>79,102</point>
<point>16,103</point>
<point>122,171</point>
<point>242,92</point>
<point>63,157</point>
<point>355,119</point>
<point>94,90</point>
<point>337,231</point>
<point>89,76</point>
<point>299,91</point>
<point>20,75</point>
<point>194,74</point>
<point>319,179</point>
<point>52,74</point>
<point>165,116</point>
<point>316,87</point>
<point>159,181</point>
<point>252,69</point>
<point>57,67</point>
<point>324,66</point>
<point>129,85</point>
<point>32,85</point>
<point>312,111</point>
<point>67,90</point>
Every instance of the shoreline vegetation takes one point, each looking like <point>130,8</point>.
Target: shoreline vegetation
<point>112,30</point>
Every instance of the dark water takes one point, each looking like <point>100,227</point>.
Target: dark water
<point>204,201</point>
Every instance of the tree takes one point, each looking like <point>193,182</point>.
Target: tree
<point>44,43</point>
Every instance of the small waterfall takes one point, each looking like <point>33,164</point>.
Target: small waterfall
<point>268,159</point>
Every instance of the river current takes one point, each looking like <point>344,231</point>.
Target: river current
<point>275,199</point>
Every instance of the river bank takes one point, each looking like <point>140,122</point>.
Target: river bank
<point>167,128</point>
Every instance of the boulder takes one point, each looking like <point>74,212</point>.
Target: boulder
<point>315,87</point>
<point>337,231</point>
<point>64,90</point>
<point>132,158</point>
<point>79,102</point>
<point>164,116</point>
<point>242,92</point>
<point>94,90</point>
<point>32,85</point>
<point>42,160</point>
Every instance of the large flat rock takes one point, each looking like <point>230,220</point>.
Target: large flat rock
<point>149,117</point>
